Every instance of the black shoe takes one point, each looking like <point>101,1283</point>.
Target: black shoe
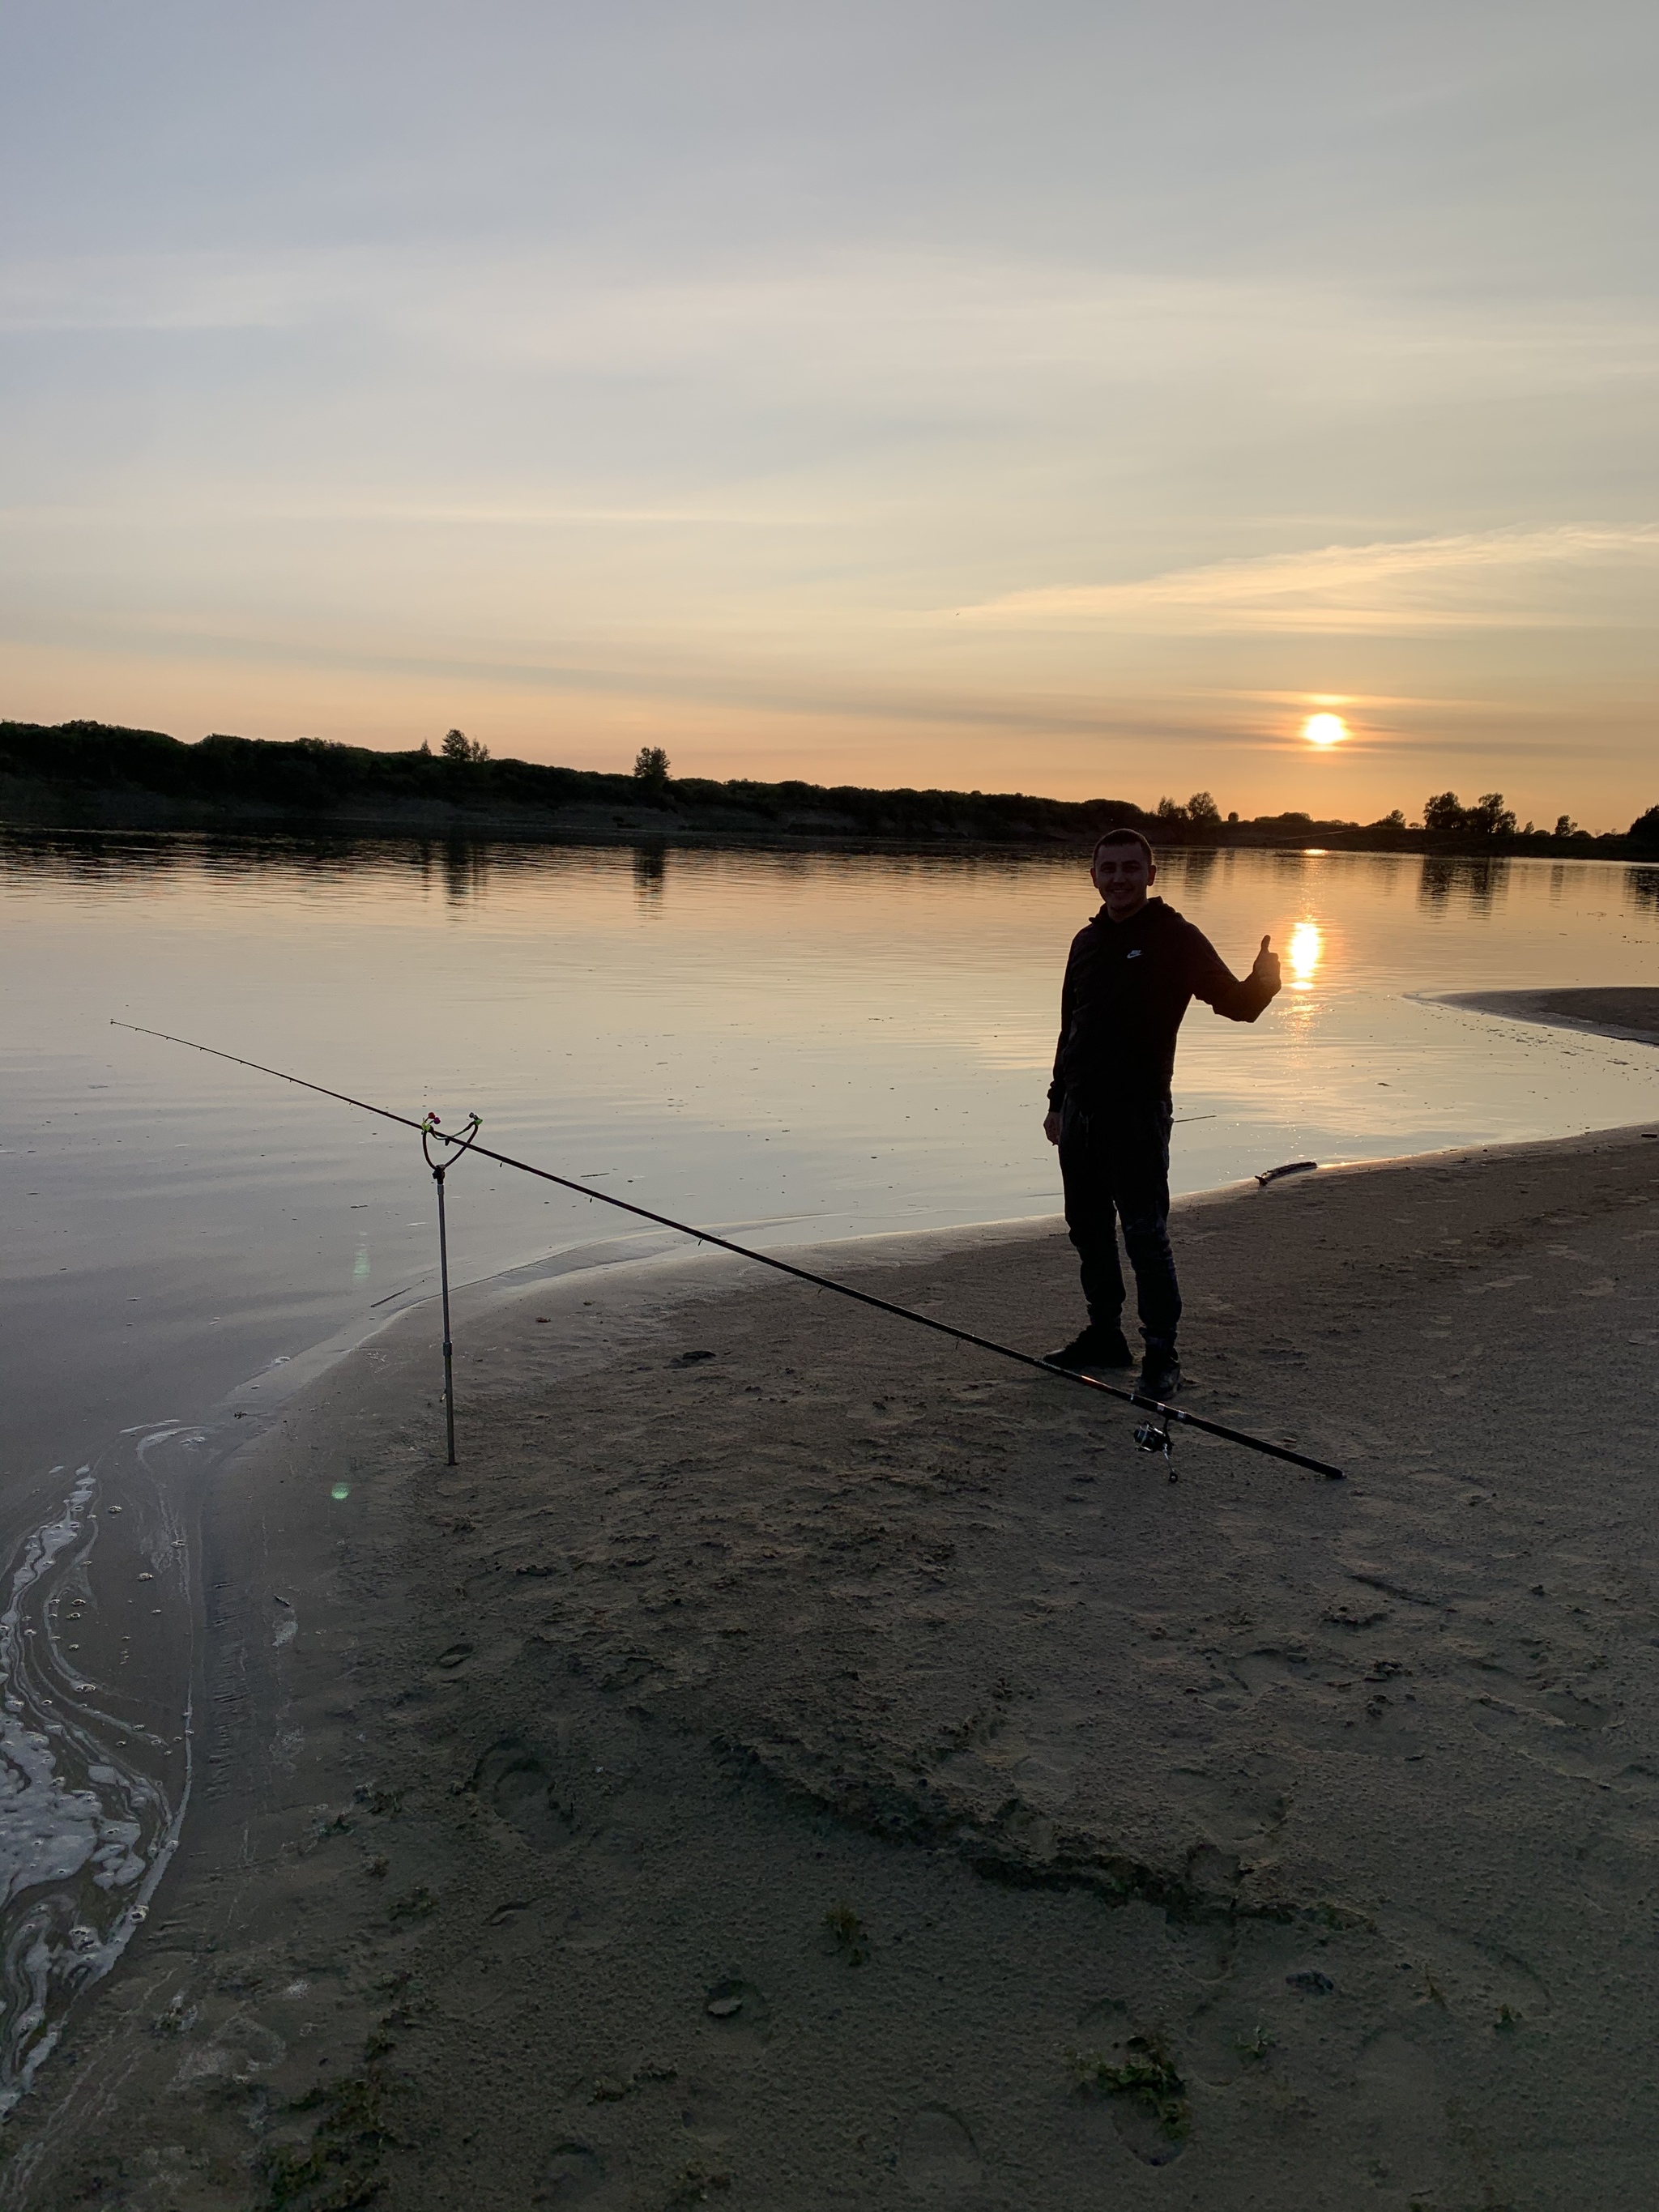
<point>1160,1372</point>
<point>1096,1347</point>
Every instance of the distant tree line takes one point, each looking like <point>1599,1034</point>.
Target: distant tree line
<point>91,772</point>
<point>1444,817</point>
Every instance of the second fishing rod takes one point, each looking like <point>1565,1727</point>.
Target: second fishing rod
<point>1152,1435</point>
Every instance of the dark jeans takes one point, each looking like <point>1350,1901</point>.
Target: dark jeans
<point>1114,1162</point>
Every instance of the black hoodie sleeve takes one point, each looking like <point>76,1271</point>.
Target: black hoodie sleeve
<point>1068,1002</point>
<point>1240,999</point>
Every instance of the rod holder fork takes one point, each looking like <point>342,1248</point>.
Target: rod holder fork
<point>431,1133</point>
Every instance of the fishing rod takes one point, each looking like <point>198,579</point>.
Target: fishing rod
<point>1152,1435</point>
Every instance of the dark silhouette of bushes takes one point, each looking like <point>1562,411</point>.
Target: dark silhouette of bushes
<point>305,775</point>
<point>86,771</point>
<point>311,776</point>
<point>1487,817</point>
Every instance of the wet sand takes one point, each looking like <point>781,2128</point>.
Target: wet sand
<point>794,1762</point>
<point>1630,1010</point>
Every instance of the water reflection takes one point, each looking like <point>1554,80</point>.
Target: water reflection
<point>1201,866</point>
<point>1480,882</point>
<point>1307,948</point>
<point>470,871</point>
<point>466,872</point>
<point>650,871</point>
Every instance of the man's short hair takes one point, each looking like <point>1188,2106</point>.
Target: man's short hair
<point>1122,837</point>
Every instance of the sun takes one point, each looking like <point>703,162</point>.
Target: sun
<point>1324,729</point>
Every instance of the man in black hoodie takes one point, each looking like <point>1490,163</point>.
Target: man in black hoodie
<point>1130,976</point>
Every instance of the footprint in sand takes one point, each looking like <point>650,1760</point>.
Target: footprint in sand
<point>588,1928</point>
<point>1566,1737</point>
<point>239,2048</point>
<point>1137,2093</point>
<point>1402,2110</point>
<point>574,2174</point>
<point>1240,1812</point>
<point>735,2010</point>
<point>514,1782</point>
<point>937,2155</point>
<point>1128,2086</point>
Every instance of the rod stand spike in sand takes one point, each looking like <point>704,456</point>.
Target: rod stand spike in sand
<point>431,1133</point>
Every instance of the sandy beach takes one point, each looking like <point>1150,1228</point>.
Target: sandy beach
<point>1628,1011</point>
<point>794,1761</point>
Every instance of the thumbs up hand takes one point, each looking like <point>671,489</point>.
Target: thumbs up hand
<point>1266,970</point>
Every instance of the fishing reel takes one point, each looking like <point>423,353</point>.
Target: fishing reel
<point>1154,1436</point>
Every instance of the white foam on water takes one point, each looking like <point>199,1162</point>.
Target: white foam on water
<point>92,1799</point>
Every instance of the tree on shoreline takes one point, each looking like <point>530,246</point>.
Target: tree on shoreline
<point>457,746</point>
<point>1487,817</point>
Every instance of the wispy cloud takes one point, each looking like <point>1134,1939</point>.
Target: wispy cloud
<point>1497,580</point>
<point>194,509</point>
<point>839,317</point>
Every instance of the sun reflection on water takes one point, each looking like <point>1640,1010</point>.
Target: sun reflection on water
<point>1306,951</point>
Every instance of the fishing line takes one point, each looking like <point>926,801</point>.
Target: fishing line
<point>1150,1435</point>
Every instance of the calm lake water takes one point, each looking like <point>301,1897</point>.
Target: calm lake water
<point>789,1046</point>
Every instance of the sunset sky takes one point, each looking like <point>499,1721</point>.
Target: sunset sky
<point>1064,398</point>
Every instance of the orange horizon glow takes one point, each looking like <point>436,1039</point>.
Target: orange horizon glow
<point>1251,763</point>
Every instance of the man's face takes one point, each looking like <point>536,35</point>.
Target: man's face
<point>1123,875</point>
